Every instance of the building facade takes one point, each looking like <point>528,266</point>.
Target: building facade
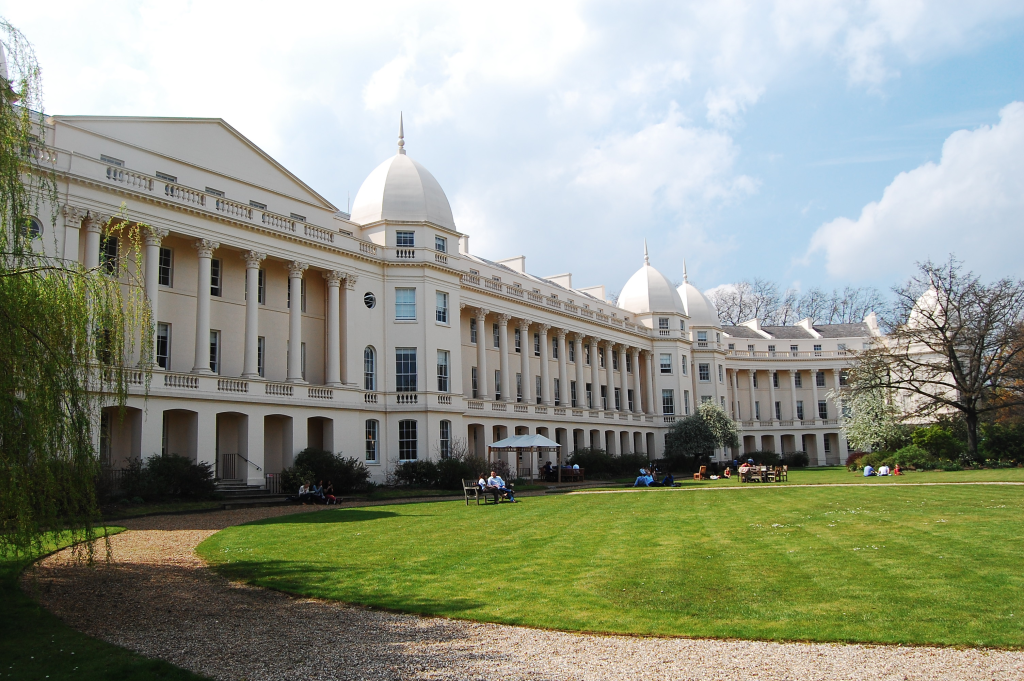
<point>284,323</point>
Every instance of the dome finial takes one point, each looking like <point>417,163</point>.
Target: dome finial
<point>401,134</point>
<point>647,258</point>
<point>685,278</point>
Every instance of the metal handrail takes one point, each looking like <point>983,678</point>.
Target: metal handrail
<point>247,461</point>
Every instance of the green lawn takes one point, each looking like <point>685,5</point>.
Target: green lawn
<point>36,645</point>
<point>878,563</point>
<point>840,475</point>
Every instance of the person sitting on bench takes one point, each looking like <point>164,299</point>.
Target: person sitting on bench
<point>487,489</point>
<point>497,483</point>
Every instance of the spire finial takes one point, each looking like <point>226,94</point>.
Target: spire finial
<point>685,279</point>
<point>401,134</point>
<point>647,258</point>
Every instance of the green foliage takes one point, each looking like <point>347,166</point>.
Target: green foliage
<point>315,465</point>
<point>872,420</point>
<point>693,439</point>
<point>1003,442</point>
<point>765,458</point>
<point>65,332</point>
<point>916,457</point>
<point>939,442</point>
<point>600,465</point>
<point>445,473</point>
<point>795,459</point>
<point>161,478</point>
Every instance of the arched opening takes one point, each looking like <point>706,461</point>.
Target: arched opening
<point>475,434</point>
<point>624,442</point>
<point>320,433</point>
<point>369,368</point>
<point>595,439</point>
<point>180,433</point>
<point>233,447</point>
<point>638,442</point>
<point>610,445</point>
<point>651,451</point>
<point>578,439</point>
<point>120,436</point>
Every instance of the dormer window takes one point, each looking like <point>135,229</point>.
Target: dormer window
<point>166,178</point>
<point>405,239</point>
<point>495,277</point>
<point>476,272</point>
<point>300,218</point>
<point>663,323</point>
<point>257,204</point>
<point>702,336</point>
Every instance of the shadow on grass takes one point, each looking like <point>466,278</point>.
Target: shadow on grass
<point>320,517</point>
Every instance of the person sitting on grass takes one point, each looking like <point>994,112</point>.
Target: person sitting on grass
<point>498,484</point>
<point>644,479</point>
<point>306,495</point>
<point>896,470</point>
<point>727,473</point>
<point>329,493</point>
<point>883,470</point>
<point>869,471</point>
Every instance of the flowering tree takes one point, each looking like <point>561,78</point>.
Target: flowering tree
<point>872,421</point>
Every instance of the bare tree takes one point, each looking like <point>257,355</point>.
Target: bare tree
<point>848,306</point>
<point>952,343</point>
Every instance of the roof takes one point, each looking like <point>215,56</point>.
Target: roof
<point>402,189</point>
<point>701,311</point>
<point>741,332</point>
<point>788,332</point>
<point>648,290</point>
<point>855,330</point>
<point>525,441</point>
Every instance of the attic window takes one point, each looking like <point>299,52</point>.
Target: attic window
<point>472,271</point>
<point>300,218</point>
<point>215,192</point>
<point>536,290</point>
<point>111,160</point>
<point>257,204</point>
<point>166,178</point>
<point>495,277</point>
<point>554,296</point>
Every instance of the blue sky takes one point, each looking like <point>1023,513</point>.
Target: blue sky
<point>812,142</point>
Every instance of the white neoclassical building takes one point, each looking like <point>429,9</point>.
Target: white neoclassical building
<point>283,322</point>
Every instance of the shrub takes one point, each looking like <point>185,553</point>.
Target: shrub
<point>795,459</point>
<point>1003,442</point>
<point>939,442</point>
<point>853,460</point>
<point>416,473</point>
<point>916,457</point>
<point>446,473</point>
<point>598,463</point>
<point>314,465</point>
<point>176,476</point>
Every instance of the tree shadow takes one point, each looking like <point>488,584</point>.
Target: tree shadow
<point>341,515</point>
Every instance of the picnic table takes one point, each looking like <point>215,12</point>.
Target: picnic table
<point>765,474</point>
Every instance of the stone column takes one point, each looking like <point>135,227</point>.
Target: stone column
<point>295,271</point>
<point>72,226</point>
<point>792,387</point>
<point>333,369</point>
<point>637,390</point>
<point>151,266</point>
<point>94,223</point>
<point>525,350</point>
<point>771,393</point>
<point>506,391</point>
<point>651,407</point>
<point>581,380</point>
<point>814,392</point>
<point>204,249</point>
<point>835,383</point>
<point>819,444</point>
<point>545,368</point>
<point>351,357</point>
<point>250,360</point>
<point>623,380</point>
<point>595,373</point>
<point>482,338</point>
<point>609,377</point>
<point>753,410</point>
<point>564,395</point>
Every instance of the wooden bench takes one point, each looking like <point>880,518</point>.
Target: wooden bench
<point>571,474</point>
<point>471,489</point>
<point>702,474</point>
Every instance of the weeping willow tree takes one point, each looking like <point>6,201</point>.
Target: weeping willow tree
<point>67,334</point>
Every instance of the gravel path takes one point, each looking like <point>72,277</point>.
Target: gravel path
<point>157,598</point>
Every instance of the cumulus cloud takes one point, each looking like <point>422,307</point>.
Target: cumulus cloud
<point>970,203</point>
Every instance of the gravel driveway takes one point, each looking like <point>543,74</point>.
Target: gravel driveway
<point>157,598</point>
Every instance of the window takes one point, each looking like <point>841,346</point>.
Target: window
<point>261,356</point>
<point>819,379</point>
<point>538,389</point>
<point>757,411</point>
<point>704,399</point>
<point>666,363</point>
<point>215,288</point>
<point>166,267</point>
<point>794,349</point>
<point>257,204</point>
<point>536,345</point>
<point>718,337</point>
<point>600,357</point>
<point>215,352</point>
<point>723,402</point>
<point>554,347</point>
<point>771,348</point>
<point>629,399</point>
<point>841,347</point>
<point>800,410</point>
<point>442,371</point>
<point>663,325</point>
<point>703,372</point>
<point>495,335</point>
<point>444,439</point>
<point>702,336</point>
<point>615,361</point>
<point>440,244</point>
<point>369,369</point>
<point>778,411</point>
<point>166,178</point>
<point>590,396</point>
<point>474,383</point>
<point>586,355</point>
<point>302,360</point>
<point>750,348</point>
<point>732,346</point>
<point>775,379</point>
<point>441,315</point>
<point>497,384</point>
<point>519,387</point>
<point>753,375</point>
<point>405,370</point>
<point>686,402</point>
<point>371,439</point>
<point>822,409</point>
<point>296,216</point>
<point>407,440</point>
<point>865,346</point>
<point>472,330</point>
<point>817,351</point>
<point>828,443</point>
<point>721,374</point>
<point>682,325</point>
<point>844,377</point>
<point>163,345</point>
<point>31,228</point>
<point>108,254</point>
<point>261,287</point>
<point>518,337</point>
<point>405,303</point>
<point>604,397</point>
<point>405,239</point>
<point>668,402</point>
<point>111,160</point>
<point>629,363</point>
<point>557,393</point>
<point>572,351</point>
<point>684,365</point>
<point>215,192</point>
<point>798,380</point>
<point>572,394</point>
<point>618,399</point>
<point>370,300</point>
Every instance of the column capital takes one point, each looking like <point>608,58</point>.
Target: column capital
<point>481,313</point>
<point>561,333</point>
<point>253,259</point>
<point>296,269</point>
<point>543,328</point>
<point>73,215</point>
<point>350,281</point>
<point>333,277</point>
<point>594,341</point>
<point>524,324</point>
<point>205,247</point>
<point>95,221</point>
<point>503,319</point>
<point>154,235</point>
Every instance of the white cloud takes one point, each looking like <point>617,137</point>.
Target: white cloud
<point>970,203</point>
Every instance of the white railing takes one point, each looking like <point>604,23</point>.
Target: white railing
<point>475,405</point>
<point>440,258</point>
<point>649,419</point>
<point>321,393</point>
<point>279,222</point>
<point>521,408</point>
<point>184,194</point>
<point>405,253</point>
<point>623,417</point>
<point>407,398</point>
<point>368,249</point>
<point>232,385</point>
<point>577,413</point>
<point>236,210</point>
<point>498,406</point>
<point>444,399</point>
<point>278,389</point>
<point>370,398</point>
<point>318,234</point>
<point>609,415</point>
<point>540,410</point>
<point>130,179</point>
<point>559,411</point>
<point>668,419</point>
<point>595,414</point>
<point>790,354</point>
<point>186,381</point>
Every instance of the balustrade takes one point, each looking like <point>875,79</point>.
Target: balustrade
<point>521,408</point>
<point>540,410</point>
<point>577,413</point>
<point>498,406</point>
<point>231,385</point>
<point>233,209</point>
<point>129,179</point>
<point>370,398</point>
<point>405,253</point>
<point>559,411</point>
<point>185,194</point>
<point>279,222</point>
<point>440,258</point>
<point>668,419</point>
<point>475,405</point>
<point>278,389</point>
<point>186,381</point>
<point>318,234</point>
<point>320,393</point>
<point>368,249</point>
<point>444,399</point>
<point>407,398</point>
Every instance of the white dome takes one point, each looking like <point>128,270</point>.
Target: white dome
<point>402,189</point>
<point>698,307</point>
<point>650,291</point>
